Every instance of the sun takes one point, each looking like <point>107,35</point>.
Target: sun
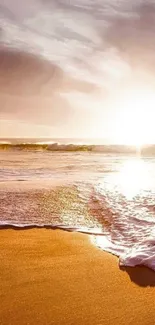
<point>135,118</point>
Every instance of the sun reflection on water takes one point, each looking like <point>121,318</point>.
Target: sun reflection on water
<point>132,177</point>
<point>123,191</point>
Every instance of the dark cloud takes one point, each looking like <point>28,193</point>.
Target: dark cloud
<point>30,89</point>
<point>133,34</point>
<point>25,74</point>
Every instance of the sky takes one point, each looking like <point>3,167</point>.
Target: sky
<point>78,68</point>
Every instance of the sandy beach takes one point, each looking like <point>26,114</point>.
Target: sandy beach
<point>56,277</point>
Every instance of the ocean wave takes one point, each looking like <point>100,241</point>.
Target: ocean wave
<point>117,208</point>
<point>60,147</point>
<point>85,230</point>
<point>143,254</point>
<point>45,147</point>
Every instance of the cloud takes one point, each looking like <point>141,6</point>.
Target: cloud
<point>26,74</point>
<point>68,33</point>
<point>31,88</point>
<point>51,50</point>
<point>132,33</point>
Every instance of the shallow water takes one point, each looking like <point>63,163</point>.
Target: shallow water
<point>111,197</point>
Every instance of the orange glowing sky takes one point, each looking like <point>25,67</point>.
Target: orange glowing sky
<point>78,69</point>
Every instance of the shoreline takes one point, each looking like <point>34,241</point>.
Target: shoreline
<point>60,277</point>
<point>7,226</point>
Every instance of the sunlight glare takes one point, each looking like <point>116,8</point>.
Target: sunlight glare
<point>133,177</point>
<point>135,119</point>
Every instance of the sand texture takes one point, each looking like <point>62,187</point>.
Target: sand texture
<point>56,277</point>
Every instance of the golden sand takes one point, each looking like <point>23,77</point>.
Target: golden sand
<point>56,277</point>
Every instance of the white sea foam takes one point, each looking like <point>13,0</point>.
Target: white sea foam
<point>109,197</point>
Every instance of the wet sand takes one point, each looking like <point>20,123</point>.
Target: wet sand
<point>22,185</point>
<point>56,277</point>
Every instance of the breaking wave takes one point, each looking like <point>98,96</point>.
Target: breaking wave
<point>40,146</point>
<point>106,196</point>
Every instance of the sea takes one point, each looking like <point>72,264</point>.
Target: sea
<point>68,184</point>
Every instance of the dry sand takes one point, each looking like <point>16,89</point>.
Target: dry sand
<point>56,277</point>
